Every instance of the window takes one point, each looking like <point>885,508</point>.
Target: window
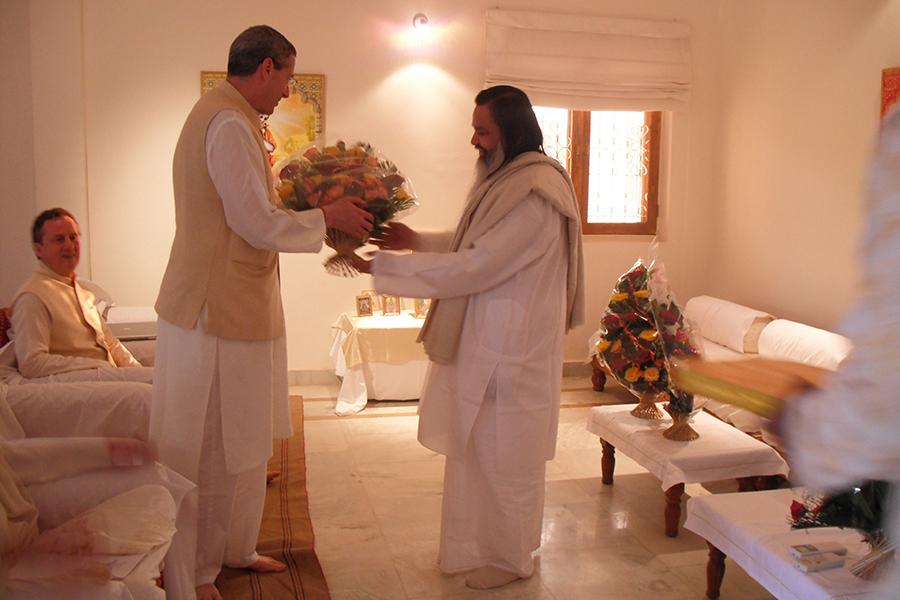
<point>613,159</point>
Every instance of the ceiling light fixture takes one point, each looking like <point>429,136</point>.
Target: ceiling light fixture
<point>420,21</point>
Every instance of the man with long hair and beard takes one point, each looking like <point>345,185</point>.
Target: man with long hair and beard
<point>506,286</point>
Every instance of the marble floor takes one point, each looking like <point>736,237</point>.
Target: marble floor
<point>375,499</point>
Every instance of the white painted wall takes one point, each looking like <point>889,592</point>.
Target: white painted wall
<point>134,68</point>
<point>17,147</point>
<point>800,98</point>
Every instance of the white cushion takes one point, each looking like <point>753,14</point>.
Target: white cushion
<point>789,340</point>
<point>726,323</point>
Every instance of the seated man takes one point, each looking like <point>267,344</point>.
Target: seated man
<point>57,332</point>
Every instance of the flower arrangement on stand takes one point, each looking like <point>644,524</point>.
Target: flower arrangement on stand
<point>641,332</point>
<point>863,508</point>
<point>318,177</point>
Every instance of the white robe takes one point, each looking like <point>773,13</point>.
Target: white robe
<point>252,376</point>
<point>494,412</point>
<point>515,277</point>
<point>850,430</point>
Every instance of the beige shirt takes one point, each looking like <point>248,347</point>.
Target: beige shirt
<point>57,328</point>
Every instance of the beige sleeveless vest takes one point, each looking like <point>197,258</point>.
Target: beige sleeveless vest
<point>77,329</point>
<point>209,263</point>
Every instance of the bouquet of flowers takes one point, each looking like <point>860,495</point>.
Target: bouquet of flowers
<point>318,177</point>
<point>641,332</point>
<point>863,508</point>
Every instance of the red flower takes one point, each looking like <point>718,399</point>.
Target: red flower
<point>798,509</point>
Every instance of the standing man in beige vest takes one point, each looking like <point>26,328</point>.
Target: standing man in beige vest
<point>58,335</point>
<point>220,386</point>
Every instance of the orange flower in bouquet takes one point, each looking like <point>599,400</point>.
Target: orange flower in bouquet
<point>318,177</point>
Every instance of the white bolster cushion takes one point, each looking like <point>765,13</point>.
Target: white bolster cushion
<point>726,323</point>
<point>789,340</point>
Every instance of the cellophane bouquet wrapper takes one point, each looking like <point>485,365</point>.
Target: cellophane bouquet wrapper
<point>314,178</point>
<point>642,332</point>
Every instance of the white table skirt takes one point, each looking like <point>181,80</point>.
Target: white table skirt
<point>752,528</point>
<point>369,378</point>
<point>721,452</point>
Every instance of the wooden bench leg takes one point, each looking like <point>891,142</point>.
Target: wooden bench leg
<point>598,376</point>
<point>715,572</point>
<point>607,462</point>
<point>673,508</point>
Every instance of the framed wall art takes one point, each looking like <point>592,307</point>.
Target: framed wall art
<point>298,120</point>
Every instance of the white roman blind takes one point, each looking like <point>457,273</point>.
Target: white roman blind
<point>589,62</point>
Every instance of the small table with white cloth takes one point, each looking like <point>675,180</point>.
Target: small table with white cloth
<point>378,358</point>
<point>753,529</point>
<point>721,452</point>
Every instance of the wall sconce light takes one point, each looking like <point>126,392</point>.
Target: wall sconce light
<point>420,21</point>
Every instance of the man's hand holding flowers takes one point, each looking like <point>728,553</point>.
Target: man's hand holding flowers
<point>349,215</point>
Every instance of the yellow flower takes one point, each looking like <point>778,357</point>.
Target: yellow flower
<point>602,345</point>
<point>648,334</point>
<point>285,189</point>
<point>632,374</point>
<point>642,294</point>
<point>619,297</point>
<point>651,374</point>
<point>617,346</point>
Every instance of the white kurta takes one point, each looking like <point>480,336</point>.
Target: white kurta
<point>851,430</point>
<point>494,412</point>
<point>252,376</point>
<point>515,277</point>
<point>217,403</point>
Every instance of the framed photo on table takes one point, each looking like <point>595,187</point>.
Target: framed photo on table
<point>364,305</point>
<point>390,305</point>
<point>298,120</point>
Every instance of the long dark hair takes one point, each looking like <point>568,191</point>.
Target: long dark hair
<point>511,110</point>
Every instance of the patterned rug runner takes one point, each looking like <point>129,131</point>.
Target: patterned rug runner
<point>286,532</point>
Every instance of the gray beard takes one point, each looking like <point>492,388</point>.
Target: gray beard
<point>485,166</point>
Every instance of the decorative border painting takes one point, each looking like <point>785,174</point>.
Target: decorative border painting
<point>298,120</point>
<point>890,89</point>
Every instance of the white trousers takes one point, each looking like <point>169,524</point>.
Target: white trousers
<point>490,516</point>
<point>230,505</point>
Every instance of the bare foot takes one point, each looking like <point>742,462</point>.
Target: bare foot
<point>266,564</point>
<point>208,591</point>
<point>272,474</point>
<point>489,577</point>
